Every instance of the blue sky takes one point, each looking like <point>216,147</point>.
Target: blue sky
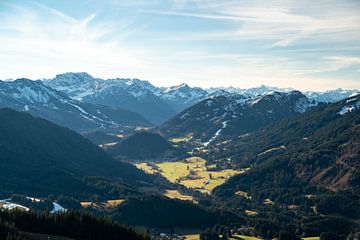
<point>308,45</point>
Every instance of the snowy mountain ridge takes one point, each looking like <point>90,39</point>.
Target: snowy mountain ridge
<point>226,115</point>
<point>79,85</point>
<point>40,100</point>
<point>157,104</point>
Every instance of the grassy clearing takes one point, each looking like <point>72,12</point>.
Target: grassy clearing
<point>108,204</point>
<point>191,172</point>
<point>114,203</point>
<point>175,194</point>
<point>192,237</point>
<point>292,207</point>
<point>146,168</point>
<point>236,236</point>
<point>268,201</point>
<point>250,213</point>
<point>188,138</point>
<point>243,194</point>
<point>272,149</point>
<point>86,204</point>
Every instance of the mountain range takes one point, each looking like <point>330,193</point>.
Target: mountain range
<point>127,102</point>
<point>314,156</point>
<point>234,114</point>
<point>39,100</point>
<point>295,156</point>
<point>131,94</point>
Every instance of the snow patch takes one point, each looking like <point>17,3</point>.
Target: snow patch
<point>58,208</point>
<point>348,109</point>
<point>351,100</point>
<point>34,199</point>
<point>8,205</point>
<point>217,133</point>
<point>11,206</point>
<point>302,105</point>
<point>209,103</point>
<point>30,94</point>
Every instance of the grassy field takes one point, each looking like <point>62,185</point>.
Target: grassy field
<point>188,138</point>
<point>146,168</point>
<point>235,237</point>
<point>191,172</point>
<point>268,201</point>
<point>175,194</point>
<point>192,237</point>
<point>250,213</point>
<point>243,194</point>
<point>108,204</point>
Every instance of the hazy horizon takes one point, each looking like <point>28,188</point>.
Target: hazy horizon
<point>287,44</point>
<point>206,88</point>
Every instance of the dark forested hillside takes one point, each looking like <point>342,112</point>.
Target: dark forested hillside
<point>75,225</point>
<point>320,147</point>
<point>39,157</point>
<point>155,211</point>
<point>98,137</point>
<point>232,114</point>
<point>144,145</point>
<point>309,160</point>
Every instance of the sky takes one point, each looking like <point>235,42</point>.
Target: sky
<point>306,45</point>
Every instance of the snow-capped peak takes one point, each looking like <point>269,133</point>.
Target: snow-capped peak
<point>351,104</point>
<point>177,87</point>
<point>26,90</point>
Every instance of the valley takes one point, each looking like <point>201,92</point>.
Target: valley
<point>180,120</point>
<point>191,172</point>
<point>273,165</point>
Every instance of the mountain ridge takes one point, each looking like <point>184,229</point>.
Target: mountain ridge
<point>39,157</point>
<point>40,100</point>
<point>233,114</point>
<point>158,104</point>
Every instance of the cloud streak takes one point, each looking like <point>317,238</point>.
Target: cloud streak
<point>204,43</point>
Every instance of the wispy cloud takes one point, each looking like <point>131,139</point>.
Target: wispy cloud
<point>50,40</point>
<point>284,24</point>
<point>300,44</point>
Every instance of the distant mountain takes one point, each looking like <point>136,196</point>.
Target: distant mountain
<point>131,94</point>
<point>155,104</point>
<point>318,148</point>
<point>40,158</point>
<point>182,96</point>
<point>234,114</point>
<point>144,145</point>
<point>40,100</point>
<point>325,97</point>
<point>250,92</point>
<point>332,95</point>
<point>159,104</point>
